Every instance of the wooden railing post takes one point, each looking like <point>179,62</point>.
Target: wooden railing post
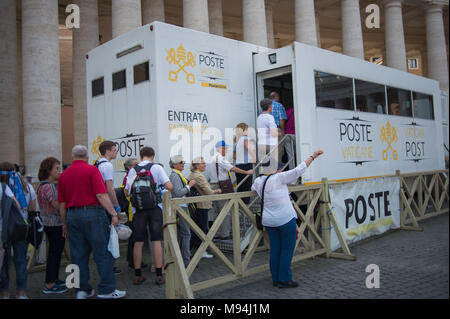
<point>326,229</point>
<point>169,218</point>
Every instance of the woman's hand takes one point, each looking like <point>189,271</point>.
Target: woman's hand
<point>317,153</point>
<point>192,183</point>
<point>218,191</point>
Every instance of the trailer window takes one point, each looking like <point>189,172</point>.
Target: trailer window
<point>370,97</point>
<point>334,91</point>
<point>119,80</point>
<point>399,102</point>
<point>423,106</point>
<point>141,73</point>
<point>98,87</point>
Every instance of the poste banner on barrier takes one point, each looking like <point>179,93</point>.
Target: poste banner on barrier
<point>365,208</point>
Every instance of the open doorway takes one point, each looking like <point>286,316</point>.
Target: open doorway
<point>277,84</point>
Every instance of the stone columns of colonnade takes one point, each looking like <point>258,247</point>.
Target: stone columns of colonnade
<point>41,82</point>
<point>269,24</point>
<point>305,22</point>
<point>126,16</point>
<point>9,93</point>
<point>84,39</point>
<point>395,38</point>
<point>152,10</point>
<point>215,17</point>
<point>352,39</point>
<point>254,22</point>
<point>436,47</point>
<point>195,15</point>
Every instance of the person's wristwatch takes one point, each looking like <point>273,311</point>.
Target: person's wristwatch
<point>313,157</point>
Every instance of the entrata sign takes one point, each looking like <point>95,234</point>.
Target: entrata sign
<point>365,208</point>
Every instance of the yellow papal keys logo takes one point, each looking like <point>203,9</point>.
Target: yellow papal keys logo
<point>94,148</point>
<point>182,59</point>
<point>389,135</point>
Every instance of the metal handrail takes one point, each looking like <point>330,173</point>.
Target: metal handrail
<point>260,162</point>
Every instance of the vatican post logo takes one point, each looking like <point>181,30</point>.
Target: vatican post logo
<point>94,148</point>
<point>389,135</point>
<point>182,60</point>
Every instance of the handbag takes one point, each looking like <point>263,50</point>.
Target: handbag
<point>225,186</point>
<point>258,215</point>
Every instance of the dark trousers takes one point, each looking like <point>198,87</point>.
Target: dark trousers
<point>247,185</point>
<point>201,220</point>
<point>55,249</point>
<point>20,263</point>
<point>88,230</point>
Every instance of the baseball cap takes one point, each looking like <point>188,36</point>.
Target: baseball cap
<point>221,143</point>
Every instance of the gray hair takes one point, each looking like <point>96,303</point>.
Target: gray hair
<point>195,162</point>
<point>129,162</point>
<point>176,159</point>
<point>265,104</point>
<point>80,151</point>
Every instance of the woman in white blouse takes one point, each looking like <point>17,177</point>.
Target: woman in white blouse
<point>279,218</point>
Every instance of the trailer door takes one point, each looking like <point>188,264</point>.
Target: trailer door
<point>273,73</point>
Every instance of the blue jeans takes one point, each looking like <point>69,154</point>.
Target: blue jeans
<point>282,245</point>
<point>88,230</point>
<point>20,263</point>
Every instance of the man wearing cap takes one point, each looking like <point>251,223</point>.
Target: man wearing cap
<point>82,192</point>
<point>220,169</point>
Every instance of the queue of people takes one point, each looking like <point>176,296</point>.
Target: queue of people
<point>80,204</point>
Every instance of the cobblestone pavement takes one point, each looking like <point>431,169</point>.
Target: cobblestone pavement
<point>412,265</point>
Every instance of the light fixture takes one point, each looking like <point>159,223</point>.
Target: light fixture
<point>273,58</point>
<point>128,51</point>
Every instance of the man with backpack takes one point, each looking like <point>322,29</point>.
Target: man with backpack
<point>108,151</point>
<point>142,186</point>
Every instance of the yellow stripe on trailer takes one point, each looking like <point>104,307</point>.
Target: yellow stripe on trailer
<point>368,227</point>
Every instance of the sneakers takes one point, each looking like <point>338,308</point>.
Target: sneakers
<point>84,294</point>
<point>116,294</point>
<point>56,289</point>
<point>206,255</point>
<point>160,280</point>
<point>138,280</point>
<point>22,297</point>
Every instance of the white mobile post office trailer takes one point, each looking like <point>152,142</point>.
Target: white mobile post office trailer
<point>160,80</point>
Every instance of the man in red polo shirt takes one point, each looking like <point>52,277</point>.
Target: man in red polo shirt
<point>82,194</point>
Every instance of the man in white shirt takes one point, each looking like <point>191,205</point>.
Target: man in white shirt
<point>153,217</point>
<point>221,173</point>
<point>108,151</point>
<point>267,137</point>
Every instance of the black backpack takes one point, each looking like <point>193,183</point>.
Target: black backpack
<point>14,227</point>
<point>143,194</point>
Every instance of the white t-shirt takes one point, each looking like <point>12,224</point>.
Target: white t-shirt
<point>242,154</point>
<point>8,193</point>
<point>158,173</point>
<point>31,195</point>
<point>106,169</point>
<point>264,123</point>
<point>278,209</point>
<point>224,168</point>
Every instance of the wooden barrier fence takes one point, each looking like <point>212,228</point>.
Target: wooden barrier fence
<point>313,239</point>
<point>420,191</point>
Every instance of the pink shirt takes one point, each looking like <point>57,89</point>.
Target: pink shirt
<point>289,127</point>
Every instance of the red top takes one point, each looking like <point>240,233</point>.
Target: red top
<point>79,184</point>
